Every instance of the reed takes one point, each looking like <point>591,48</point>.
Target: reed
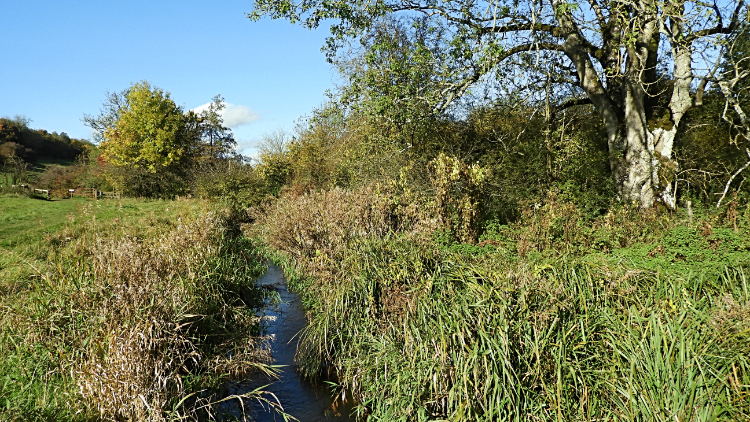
<point>416,331</point>
<point>134,317</point>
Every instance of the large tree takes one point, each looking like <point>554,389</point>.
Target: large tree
<point>151,131</point>
<point>636,61</point>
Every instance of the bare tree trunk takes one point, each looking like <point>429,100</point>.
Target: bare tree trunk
<point>641,166</point>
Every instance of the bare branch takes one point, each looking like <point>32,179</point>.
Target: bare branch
<point>729,182</point>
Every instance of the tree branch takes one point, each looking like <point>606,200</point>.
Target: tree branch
<point>736,173</point>
<point>456,90</point>
<point>720,28</point>
<point>568,104</point>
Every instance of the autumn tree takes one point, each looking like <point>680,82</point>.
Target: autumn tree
<point>154,143</point>
<point>635,61</point>
<point>151,131</point>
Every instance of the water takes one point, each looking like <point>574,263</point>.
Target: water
<point>306,402</point>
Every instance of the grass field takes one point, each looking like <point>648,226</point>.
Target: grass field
<point>28,225</point>
<point>24,220</point>
<point>122,309</point>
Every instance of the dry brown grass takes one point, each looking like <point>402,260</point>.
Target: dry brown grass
<point>319,227</point>
<point>145,328</point>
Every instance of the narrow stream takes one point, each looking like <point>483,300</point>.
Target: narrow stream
<point>304,401</point>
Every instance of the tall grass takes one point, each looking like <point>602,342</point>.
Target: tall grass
<point>515,330</point>
<point>142,318</point>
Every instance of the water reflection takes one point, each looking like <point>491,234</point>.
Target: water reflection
<point>299,398</point>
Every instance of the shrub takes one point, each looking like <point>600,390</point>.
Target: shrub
<point>142,328</point>
<point>237,186</point>
<point>459,192</point>
<point>319,228</point>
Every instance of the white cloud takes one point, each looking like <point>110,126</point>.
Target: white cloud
<point>247,148</point>
<point>234,115</point>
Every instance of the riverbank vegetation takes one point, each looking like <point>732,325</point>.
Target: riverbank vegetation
<point>473,236</point>
<point>522,220</point>
<point>627,316</point>
<point>124,310</point>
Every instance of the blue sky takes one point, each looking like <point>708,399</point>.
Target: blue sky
<point>60,58</point>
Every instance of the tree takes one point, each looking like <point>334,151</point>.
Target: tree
<point>734,83</point>
<point>217,140</point>
<point>634,60</point>
<point>153,144</point>
<point>108,115</point>
<point>151,132</point>
<point>392,78</point>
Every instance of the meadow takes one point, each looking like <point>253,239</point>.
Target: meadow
<point>124,309</point>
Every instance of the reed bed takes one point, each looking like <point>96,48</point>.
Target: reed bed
<point>133,318</point>
<point>415,331</point>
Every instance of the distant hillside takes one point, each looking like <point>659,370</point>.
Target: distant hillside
<point>17,139</point>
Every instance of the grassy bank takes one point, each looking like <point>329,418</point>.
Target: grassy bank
<point>123,310</point>
<point>631,316</point>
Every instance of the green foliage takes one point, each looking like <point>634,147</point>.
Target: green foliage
<point>138,182</point>
<point>150,132</point>
<point>234,185</point>
<point>17,139</point>
<point>392,79</point>
<point>701,251</point>
<point>148,308</point>
<point>217,140</point>
<point>15,170</point>
<point>150,145</point>
<point>706,153</point>
<point>459,194</point>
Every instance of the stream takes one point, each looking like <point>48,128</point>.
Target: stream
<point>299,398</point>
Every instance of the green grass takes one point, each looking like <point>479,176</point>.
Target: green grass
<point>628,317</point>
<point>48,161</point>
<point>25,220</point>
<point>28,226</point>
<point>123,309</point>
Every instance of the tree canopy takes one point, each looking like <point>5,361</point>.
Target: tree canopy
<point>635,61</point>
<point>151,131</point>
<point>154,143</point>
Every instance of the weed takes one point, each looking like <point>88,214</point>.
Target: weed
<point>133,317</point>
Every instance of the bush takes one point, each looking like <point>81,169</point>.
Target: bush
<point>138,182</point>
<point>234,185</point>
<point>317,229</point>
<point>148,320</point>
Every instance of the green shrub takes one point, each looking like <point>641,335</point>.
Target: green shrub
<point>236,186</point>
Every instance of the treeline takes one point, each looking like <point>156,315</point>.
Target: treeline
<point>147,146</point>
<point>525,155</point>
<point>18,140</point>
<point>480,235</point>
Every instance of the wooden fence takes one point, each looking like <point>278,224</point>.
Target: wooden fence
<point>109,195</point>
<point>91,193</point>
<point>84,192</point>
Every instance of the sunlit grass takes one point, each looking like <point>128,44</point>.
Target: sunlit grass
<point>554,318</point>
<point>123,309</point>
